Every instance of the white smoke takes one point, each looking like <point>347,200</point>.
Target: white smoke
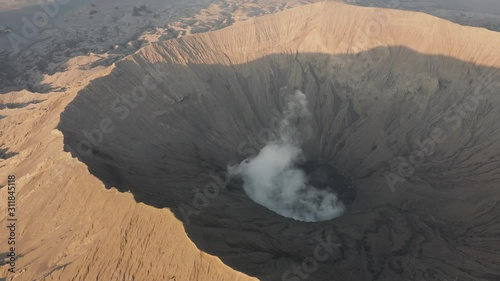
<point>273,179</point>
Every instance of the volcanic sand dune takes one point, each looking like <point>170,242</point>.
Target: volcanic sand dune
<point>376,80</point>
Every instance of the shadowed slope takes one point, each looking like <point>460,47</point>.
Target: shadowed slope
<point>208,99</point>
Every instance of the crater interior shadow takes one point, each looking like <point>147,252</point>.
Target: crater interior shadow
<point>368,110</point>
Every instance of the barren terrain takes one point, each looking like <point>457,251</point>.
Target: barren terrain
<point>384,87</point>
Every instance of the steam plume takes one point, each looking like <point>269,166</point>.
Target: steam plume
<point>273,179</point>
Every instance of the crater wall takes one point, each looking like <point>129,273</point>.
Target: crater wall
<point>420,91</point>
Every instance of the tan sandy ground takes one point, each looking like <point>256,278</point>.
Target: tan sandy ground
<point>69,225</point>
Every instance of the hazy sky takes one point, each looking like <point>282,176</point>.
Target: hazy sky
<point>484,6</point>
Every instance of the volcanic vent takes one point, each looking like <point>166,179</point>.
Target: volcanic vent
<point>281,178</point>
<point>409,116</point>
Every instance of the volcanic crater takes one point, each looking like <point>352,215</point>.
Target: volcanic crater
<point>405,118</point>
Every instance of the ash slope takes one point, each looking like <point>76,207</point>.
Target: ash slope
<point>373,92</point>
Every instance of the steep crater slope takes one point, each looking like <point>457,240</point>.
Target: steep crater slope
<point>411,116</point>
